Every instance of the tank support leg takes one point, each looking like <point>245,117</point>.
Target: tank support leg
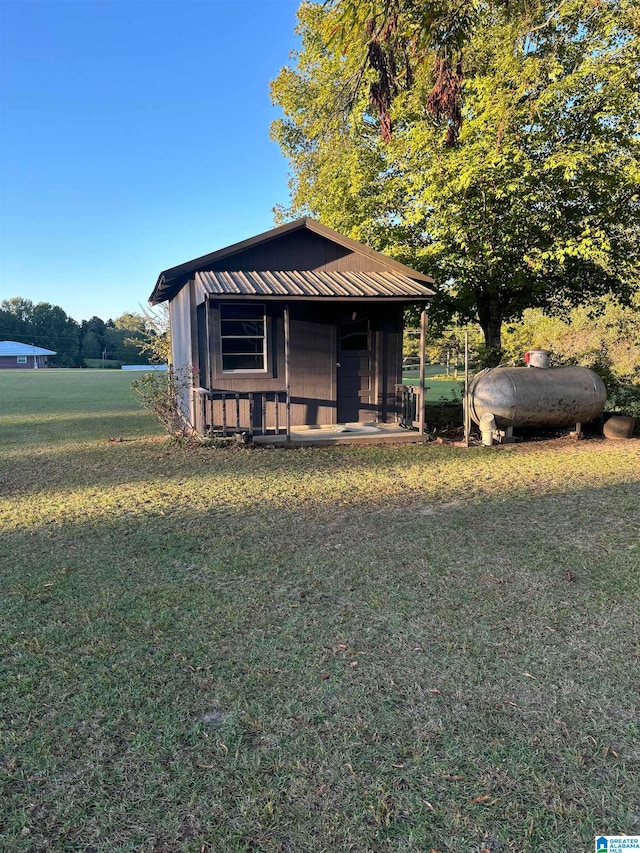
<point>505,436</point>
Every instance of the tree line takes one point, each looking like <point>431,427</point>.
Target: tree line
<point>125,339</point>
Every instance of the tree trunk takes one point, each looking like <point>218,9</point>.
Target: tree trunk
<point>490,319</point>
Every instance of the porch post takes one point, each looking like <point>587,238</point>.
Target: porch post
<point>287,359</point>
<point>423,335</point>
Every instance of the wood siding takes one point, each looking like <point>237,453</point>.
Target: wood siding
<point>184,342</point>
<point>301,250</point>
<point>313,365</point>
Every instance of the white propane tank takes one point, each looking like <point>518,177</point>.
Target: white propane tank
<point>536,395</point>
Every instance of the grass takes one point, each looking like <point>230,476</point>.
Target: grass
<point>63,407</point>
<point>438,387</point>
<point>407,648</point>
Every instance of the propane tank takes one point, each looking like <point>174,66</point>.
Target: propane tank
<point>536,395</point>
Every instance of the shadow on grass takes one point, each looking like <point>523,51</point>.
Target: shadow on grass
<point>406,471</point>
<point>21,434</point>
<point>378,676</point>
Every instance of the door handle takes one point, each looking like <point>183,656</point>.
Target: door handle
<point>338,364</point>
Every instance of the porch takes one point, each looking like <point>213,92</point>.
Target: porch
<point>356,433</point>
<point>264,418</point>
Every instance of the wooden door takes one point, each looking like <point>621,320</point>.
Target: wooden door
<point>356,401</point>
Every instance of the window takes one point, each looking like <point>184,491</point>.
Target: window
<point>354,334</point>
<point>21,359</point>
<point>243,338</point>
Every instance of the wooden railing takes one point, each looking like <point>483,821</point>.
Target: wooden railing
<point>226,413</point>
<point>408,401</point>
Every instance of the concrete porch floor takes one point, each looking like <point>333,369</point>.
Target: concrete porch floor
<point>353,433</point>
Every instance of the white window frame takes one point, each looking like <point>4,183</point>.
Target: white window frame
<point>21,359</point>
<point>259,370</point>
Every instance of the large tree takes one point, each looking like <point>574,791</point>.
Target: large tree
<point>125,337</point>
<point>92,342</point>
<point>508,162</point>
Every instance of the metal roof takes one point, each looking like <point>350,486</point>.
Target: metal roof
<point>170,281</point>
<point>312,284</point>
<point>17,348</point>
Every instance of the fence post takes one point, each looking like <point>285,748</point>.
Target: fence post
<point>423,336</point>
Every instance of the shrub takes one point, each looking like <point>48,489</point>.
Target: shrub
<point>623,399</point>
<point>162,394</point>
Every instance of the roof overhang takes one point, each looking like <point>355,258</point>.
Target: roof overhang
<point>310,285</point>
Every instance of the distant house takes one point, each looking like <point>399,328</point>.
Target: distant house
<point>16,355</point>
<point>298,326</point>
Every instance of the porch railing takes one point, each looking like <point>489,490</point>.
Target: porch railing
<point>409,399</point>
<point>225,413</point>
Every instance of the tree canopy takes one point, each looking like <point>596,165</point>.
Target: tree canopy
<point>523,194</point>
<point>608,341</point>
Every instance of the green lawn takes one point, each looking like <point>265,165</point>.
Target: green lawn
<point>382,649</point>
<point>439,388</point>
<point>62,407</point>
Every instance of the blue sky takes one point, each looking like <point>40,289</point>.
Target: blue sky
<point>134,135</point>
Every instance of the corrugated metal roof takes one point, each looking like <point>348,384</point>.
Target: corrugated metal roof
<point>313,284</point>
<point>170,281</point>
<point>17,348</point>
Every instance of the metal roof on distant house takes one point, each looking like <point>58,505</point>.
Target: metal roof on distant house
<point>18,348</point>
<point>314,284</point>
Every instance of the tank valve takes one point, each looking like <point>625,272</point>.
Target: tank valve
<point>487,428</point>
<point>537,357</point>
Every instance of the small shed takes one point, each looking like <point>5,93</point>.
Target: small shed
<point>15,355</point>
<point>298,326</point>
